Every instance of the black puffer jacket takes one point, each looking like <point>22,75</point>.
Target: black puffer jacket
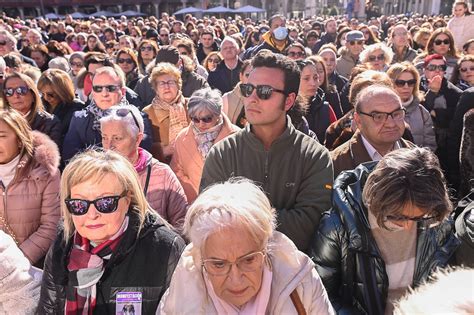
<point>141,264</point>
<point>347,257</point>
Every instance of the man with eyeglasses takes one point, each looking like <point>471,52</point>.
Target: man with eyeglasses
<point>226,75</point>
<point>294,170</point>
<point>379,117</point>
<point>164,36</point>
<point>350,56</point>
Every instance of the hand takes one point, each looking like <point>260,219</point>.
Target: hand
<point>435,83</point>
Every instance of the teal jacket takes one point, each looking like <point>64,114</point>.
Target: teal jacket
<point>296,173</point>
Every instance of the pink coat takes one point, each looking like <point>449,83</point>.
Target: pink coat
<point>188,163</point>
<point>30,203</point>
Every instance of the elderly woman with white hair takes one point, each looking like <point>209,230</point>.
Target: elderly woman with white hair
<point>208,126</point>
<point>122,131</point>
<point>378,57</point>
<point>237,263</point>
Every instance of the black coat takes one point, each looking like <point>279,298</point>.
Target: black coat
<point>140,264</point>
<point>64,112</point>
<point>347,257</point>
<point>49,125</point>
<point>223,78</point>
<point>318,115</point>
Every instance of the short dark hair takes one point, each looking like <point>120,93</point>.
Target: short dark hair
<point>265,58</point>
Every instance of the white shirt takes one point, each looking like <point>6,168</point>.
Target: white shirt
<point>374,155</point>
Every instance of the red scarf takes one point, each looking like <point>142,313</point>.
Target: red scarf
<point>87,85</point>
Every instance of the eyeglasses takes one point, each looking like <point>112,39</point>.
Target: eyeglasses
<point>247,263</point>
<point>108,88</point>
<point>439,42</point>
<point>122,112</point>
<point>264,92</point>
<point>216,61</point>
<point>380,57</point>
<point>49,94</point>
<point>206,119</point>
<point>298,54</point>
<point>402,83</point>
<point>77,64</point>
<point>125,60</point>
<point>436,67</point>
<point>466,69</point>
<point>107,204</point>
<point>3,43</point>
<point>21,90</point>
<point>166,83</point>
<point>356,42</point>
<point>403,218</point>
<point>381,117</point>
<point>146,48</point>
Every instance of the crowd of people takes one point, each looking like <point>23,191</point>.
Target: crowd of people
<point>233,166</point>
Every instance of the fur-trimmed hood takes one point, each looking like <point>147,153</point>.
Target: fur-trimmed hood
<point>45,153</point>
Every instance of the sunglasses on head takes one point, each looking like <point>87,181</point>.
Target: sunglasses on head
<point>205,119</point>
<point>439,42</point>
<point>402,83</point>
<point>379,57</point>
<point>21,90</point>
<point>466,69</point>
<point>108,88</point>
<point>264,92</point>
<point>146,48</point>
<point>436,67</point>
<point>122,112</point>
<point>125,60</point>
<point>107,204</point>
<point>356,42</point>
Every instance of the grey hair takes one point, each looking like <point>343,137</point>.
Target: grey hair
<point>369,92</point>
<point>10,37</point>
<point>60,63</point>
<point>231,40</point>
<point>3,65</point>
<point>114,71</point>
<point>205,99</point>
<point>77,55</point>
<point>237,202</point>
<point>127,120</point>
<point>364,55</point>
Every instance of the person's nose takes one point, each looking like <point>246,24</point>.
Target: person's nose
<point>235,275</point>
<point>92,213</point>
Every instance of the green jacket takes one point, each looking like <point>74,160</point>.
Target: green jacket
<point>296,173</point>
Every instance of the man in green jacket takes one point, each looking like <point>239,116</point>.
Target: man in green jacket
<point>293,169</point>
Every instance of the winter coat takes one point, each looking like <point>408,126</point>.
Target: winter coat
<point>233,104</point>
<point>187,161</point>
<point>409,54</point>
<point>223,78</point>
<point>347,257</point>
<point>268,44</point>
<point>291,270</point>
<point>345,63</point>
<point>201,55</point>
<point>462,29</point>
<point>30,202</point>
<point>465,231</point>
<point>142,262</point>
<point>421,125</point>
<point>64,113</point>
<point>320,115</point>
<point>164,193</point>
<point>49,125</point>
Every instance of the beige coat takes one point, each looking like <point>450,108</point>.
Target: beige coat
<point>30,203</point>
<point>188,163</point>
<point>233,104</point>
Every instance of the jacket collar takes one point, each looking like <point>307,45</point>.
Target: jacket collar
<point>279,144</point>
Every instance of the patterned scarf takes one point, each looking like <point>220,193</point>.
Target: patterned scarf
<point>205,139</point>
<point>86,266</point>
<point>177,114</point>
<point>98,113</point>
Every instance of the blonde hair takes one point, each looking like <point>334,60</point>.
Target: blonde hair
<point>164,68</point>
<point>94,164</point>
<point>21,128</point>
<point>397,69</point>
<point>388,53</point>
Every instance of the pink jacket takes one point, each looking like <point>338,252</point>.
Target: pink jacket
<point>30,203</point>
<point>164,192</point>
<point>188,163</point>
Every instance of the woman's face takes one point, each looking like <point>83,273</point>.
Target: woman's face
<point>204,119</point>
<point>81,40</point>
<point>245,76</point>
<point>147,52</point>
<point>116,137</point>
<point>470,49</point>
<point>19,102</point>
<point>366,33</point>
<point>459,10</point>
<point>50,96</point>
<point>400,36</point>
<point>466,71</point>
<point>403,88</point>
<point>212,62</point>
<point>441,44</point>
<point>329,59</point>
<point>376,60</point>
<point>125,62</point>
<point>321,74</point>
<point>296,53</point>
<point>166,87</point>
<point>91,42</point>
<point>238,287</point>
<point>95,226</point>
<point>76,65</point>
<point>39,58</point>
<point>9,143</point>
<point>423,41</point>
<point>125,43</point>
<point>309,83</point>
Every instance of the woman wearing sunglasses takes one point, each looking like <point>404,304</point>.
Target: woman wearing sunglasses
<point>377,57</point>
<point>406,82</point>
<point>21,94</point>
<point>147,50</point>
<point>208,126</point>
<point>122,131</point>
<point>29,185</point>
<point>237,263</point>
<point>211,61</point>
<point>112,249</point>
<point>128,62</point>
<point>464,75</point>
<point>391,236</point>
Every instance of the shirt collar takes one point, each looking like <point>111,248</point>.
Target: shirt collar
<point>374,155</point>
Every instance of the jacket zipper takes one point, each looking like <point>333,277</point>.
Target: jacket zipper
<point>265,171</point>
<point>4,197</point>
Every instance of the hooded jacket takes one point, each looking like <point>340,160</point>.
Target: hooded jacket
<point>320,115</point>
<point>345,63</point>
<point>30,203</point>
<point>291,270</point>
<point>347,257</point>
<point>268,43</point>
<point>421,125</point>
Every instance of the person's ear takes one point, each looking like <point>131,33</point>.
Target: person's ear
<point>290,101</point>
<point>139,138</point>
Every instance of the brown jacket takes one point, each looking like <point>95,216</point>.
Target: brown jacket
<point>30,203</point>
<point>188,163</point>
<point>352,153</point>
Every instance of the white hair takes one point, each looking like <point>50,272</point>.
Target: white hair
<point>231,40</point>
<point>237,202</point>
<point>210,99</point>
<point>3,65</point>
<point>364,55</point>
<point>60,63</point>
<point>369,92</point>
<point>128,120</point>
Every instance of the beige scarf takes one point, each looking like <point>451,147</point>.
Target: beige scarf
<point>177,114</point>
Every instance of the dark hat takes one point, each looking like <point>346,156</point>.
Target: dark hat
<point>168,54</point>
<point>354,35</point>
<point>151,33</point>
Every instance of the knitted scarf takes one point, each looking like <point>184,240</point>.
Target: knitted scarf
<point>177,114</point>
<point>205,139</point>
<point>86,266</point>
<point>98,113</point>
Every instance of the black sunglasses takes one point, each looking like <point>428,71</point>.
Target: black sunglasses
<point>107,204</point>
<point>108,88</point>
<point>401,218</point>
<point>264,92</point>
<point>125,60</point>
<point>146,48</point>
<point>436,67</point>
<point>21,90</point>
<point>380,57</point>
<point>3,43</point>
<point>439,42</point>
<point>402,83</point>
<point>122,112</point>
<point>358,42</point>
<point>206,119</point>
